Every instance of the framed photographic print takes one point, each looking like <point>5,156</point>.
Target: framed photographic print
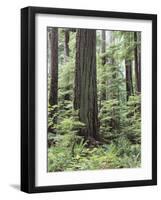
<point>88,99</point>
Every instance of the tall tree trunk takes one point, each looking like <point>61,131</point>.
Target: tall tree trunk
<point>66,44</point>
<point>66,55</point>
<point>114,94</point>
<point>128,65</point>
<point>139,60</point>
<point>85,91</point>
<point>137,64</point>
<point>103,61</point>
<point>103,46</point>
<point>129,82</point>
<point>48,52</point>
<point>53,93</point>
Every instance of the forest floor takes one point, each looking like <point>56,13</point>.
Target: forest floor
<point>100,157</point>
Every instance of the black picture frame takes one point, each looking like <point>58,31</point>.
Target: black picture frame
<point>28,98</point>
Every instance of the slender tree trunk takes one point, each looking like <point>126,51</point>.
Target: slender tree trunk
<point>139,61</point>
<point>103,61</point>
<point>66,45</point>
<point>103,46</point>
<point>66,55</point>
<point>129,82</point>
<point>112,61</point>
<point>128,67</point>
<point>48,52</point>
<point>85,91</point>
<point>53,93</point>
<point>137,64</point>
<point>53,90</point>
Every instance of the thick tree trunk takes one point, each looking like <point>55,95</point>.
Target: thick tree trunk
<point>66,45</point>
<point>53,93</point>
<point>85,91</point>
<point>129,82</point>
<point>137,64</point>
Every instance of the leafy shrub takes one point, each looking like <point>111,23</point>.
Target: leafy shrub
<point>109,119</point>
<point>132,120</point>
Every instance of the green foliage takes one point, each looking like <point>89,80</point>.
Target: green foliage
<point>66,82</point>
<point>66,71</point>
<point>122,155</point>
<point>119,119</point>
<point>67,122</point>
<point>132,116</point>
<point>124,47</point>
<point>109,116</point>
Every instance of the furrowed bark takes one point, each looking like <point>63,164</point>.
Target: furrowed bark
<point>85,91</point>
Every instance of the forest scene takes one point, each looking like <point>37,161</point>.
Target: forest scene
<point>94,99</point>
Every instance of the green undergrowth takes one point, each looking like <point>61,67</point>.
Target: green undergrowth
<point>120,155</point>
